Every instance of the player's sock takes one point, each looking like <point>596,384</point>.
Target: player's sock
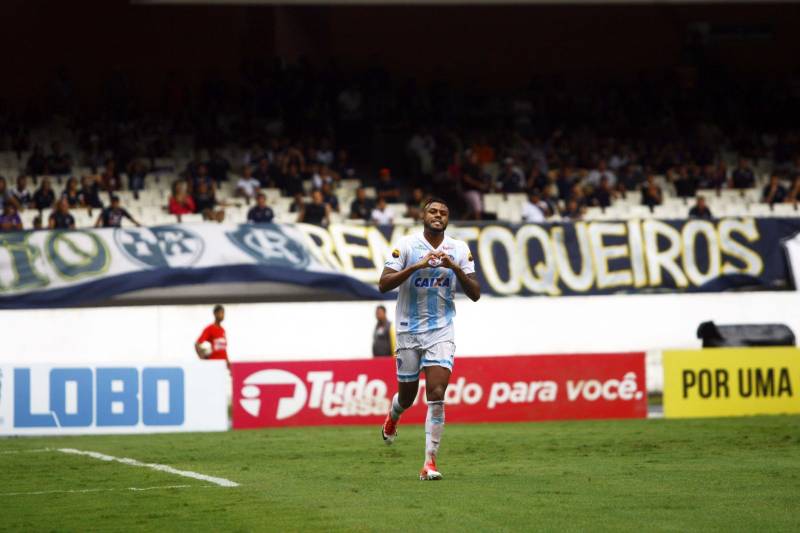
<point>434,426</point>
<point>397,409</point>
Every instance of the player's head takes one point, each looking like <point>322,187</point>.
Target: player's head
<point>219,313</point>
<point>380,313</point>
<point>435,215</point>
<point>115,201</point>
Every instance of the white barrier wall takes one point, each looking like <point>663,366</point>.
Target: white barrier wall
<point>343,330</point>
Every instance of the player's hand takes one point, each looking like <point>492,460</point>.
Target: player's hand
<point>445,261</point>
<point>425,262</point>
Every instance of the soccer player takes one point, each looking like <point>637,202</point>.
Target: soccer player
<point>426,266</point>
<point>215,334</point>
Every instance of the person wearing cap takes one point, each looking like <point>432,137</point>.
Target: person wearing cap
<point>215,335</point>
<point>387,188</point>
<point>111,216</point>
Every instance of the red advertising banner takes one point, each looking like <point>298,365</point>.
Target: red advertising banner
<point>482,389</point>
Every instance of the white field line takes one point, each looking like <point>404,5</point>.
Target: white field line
<point>36,450</point>
<point>222,482</point>
<point>81,491</point>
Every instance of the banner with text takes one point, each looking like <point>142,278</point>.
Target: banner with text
<point>79,267</point>
<point>72,399</point>
<point>482,389</point>
<point>731,382</point>
<point>592,257</point>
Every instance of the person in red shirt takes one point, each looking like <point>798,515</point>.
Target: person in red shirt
<point>215,334</point>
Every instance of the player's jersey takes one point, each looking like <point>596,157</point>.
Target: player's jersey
<point>425,299</point>
<point>219,344</point>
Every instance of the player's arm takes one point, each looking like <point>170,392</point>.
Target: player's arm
<point>469,282</point>
<point>391,279</point>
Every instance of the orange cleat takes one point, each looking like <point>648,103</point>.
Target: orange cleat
<point>389,430</point>
<point>429,472</point>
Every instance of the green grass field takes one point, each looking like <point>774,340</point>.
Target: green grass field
<point>665,475</point>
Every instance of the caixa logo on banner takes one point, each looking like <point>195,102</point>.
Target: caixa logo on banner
<point>101,397</point>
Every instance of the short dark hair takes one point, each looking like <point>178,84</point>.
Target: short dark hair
<point>435,200</point>
<point>218,307</point>
<point>115,198</point>
<point>383,307</point>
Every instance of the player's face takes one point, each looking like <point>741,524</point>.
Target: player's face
<point>436,217</point>
<point>220,315</point>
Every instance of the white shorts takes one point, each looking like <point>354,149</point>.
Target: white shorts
<point>411,360</point>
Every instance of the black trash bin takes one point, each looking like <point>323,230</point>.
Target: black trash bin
<point>745,335</point>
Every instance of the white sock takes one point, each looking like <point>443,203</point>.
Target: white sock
<point>397,409</point>
<point>434,426</point>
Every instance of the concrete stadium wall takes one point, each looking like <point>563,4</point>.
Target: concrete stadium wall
<point>339,330</point>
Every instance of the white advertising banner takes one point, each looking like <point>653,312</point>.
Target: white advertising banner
<point>118,398</point>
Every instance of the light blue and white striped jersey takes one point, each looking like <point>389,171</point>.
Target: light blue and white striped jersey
<point>425,299</point>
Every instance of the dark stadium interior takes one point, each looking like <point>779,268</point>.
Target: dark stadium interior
<point>673,86</point>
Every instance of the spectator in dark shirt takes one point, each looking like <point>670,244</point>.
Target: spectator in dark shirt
<point>44,197</point>
<point>262,173</point>
<point>21,193</point>
<point>743,177</point>
<point>260,213</point>
<point>317,212</point>
<point>602,195</point>
<point>90,192</point>
<point>292,181</point>
<point>564,181</point>
<point>628,179</point>
<point>685,183</point>
<point>700,209</point>
<point>383,336</point>
<point>137,171</point>
<point>37,162</point>
<point>111,217</point>
<point>72,194</point>
<point>9,220</point>
<point>651,192</point>
<point>61,218</point>
<point>416,204</point>
<point>774,192</point>
<point>202,176</point>
<point>361,207</point>
<point>387,188</point>
<point>109,179</point>
<point>5,196</point>
<point>218,167</point>
<point>572,211</point>
<point>329,198</point>
<point>59,162</point>
<point>298,204</point>
<point>511,178</point>
<point>205,202</point>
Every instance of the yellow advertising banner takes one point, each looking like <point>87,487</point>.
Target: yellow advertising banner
<point>731,382</point>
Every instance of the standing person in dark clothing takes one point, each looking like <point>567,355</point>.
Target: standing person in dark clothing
<point>111,217</point>
<point>383,336</point>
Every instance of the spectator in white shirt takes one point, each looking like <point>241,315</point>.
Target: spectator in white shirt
<point>247,187</point>
<point>594,176</point>
<point>535,209</point>
<point>382,215</point>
